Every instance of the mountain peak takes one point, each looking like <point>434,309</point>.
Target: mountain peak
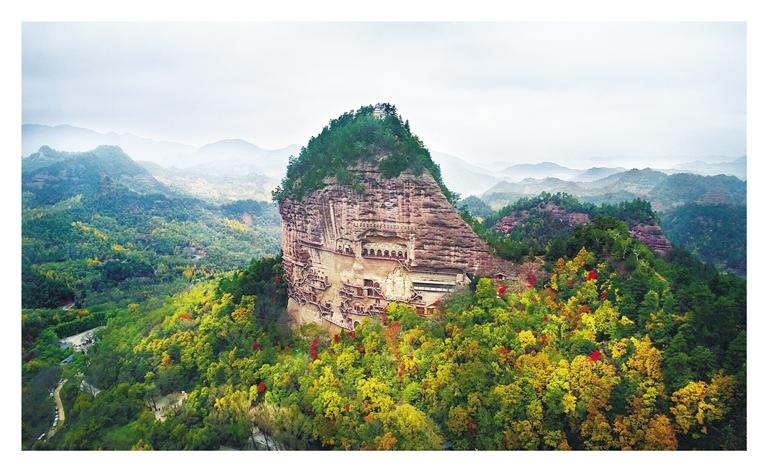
<point>372,134</point>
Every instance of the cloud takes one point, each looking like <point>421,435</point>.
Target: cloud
<point>521,92</point>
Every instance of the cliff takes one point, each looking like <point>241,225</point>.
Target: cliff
<point>350,249</point>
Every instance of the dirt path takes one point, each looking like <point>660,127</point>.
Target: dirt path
<point>59,409</point>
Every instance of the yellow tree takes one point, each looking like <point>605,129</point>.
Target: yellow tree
<point>591,382</point>
<point>699,404</point>
<point>643,427</point>
<point>412,428</point>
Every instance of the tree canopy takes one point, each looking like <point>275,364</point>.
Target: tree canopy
<point>370,133</point>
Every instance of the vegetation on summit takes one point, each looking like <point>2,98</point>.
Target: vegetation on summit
<point>366,134</point>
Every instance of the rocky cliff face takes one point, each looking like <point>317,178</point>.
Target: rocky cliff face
<point>653,237</point>
<point>348,252</point>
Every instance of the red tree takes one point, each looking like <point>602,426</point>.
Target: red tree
<point>595,356</point>
<point>532,280</point>
<point>313,349</point>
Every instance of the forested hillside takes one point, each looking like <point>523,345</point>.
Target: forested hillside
<point>100,236</point>
<point>543,226</point>
<point>96,226</point>
<point>716,232</point>
<point>615,349</point>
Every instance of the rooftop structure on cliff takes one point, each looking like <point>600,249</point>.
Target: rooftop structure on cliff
<point>367,222</point>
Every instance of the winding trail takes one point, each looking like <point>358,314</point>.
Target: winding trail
<point>59,408</point>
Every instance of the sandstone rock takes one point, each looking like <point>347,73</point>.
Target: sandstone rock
<point>349,253</point>
<point>653,237</point>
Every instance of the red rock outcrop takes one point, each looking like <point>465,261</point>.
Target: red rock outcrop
<point>509,222</point>
<point>653,237</point>
<point>348,252</point>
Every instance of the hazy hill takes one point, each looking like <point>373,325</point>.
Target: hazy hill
<point>595,173</point>
<point>531,186</point>
<point>636,181</point>
<point>75,139</point>
<point>226,157</point>
<point>53,176</point>
<point>545,170</point>
<point>662,190</point>
<point>541,170</point>
<point>239,157</point>
<point>461,176</point>
<point>737,168</point>
<point>213,187</point>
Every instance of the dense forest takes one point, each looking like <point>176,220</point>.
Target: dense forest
<point>615,349</point>
<point>715,232</point>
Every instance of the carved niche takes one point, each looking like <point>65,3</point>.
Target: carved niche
<point>398,285</point>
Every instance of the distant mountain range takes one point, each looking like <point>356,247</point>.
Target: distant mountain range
<point>235,168</point>
<point>542,170</point>
<point>75,139</point>
<point>227,170</point>
<point>461,176</point>
<point>737,168</point>
<point>662,190</point>
<point>227,157</point>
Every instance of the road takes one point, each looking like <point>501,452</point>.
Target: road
<point>59,409</point>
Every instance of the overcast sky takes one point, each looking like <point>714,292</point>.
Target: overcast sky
<point>580,94</point>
